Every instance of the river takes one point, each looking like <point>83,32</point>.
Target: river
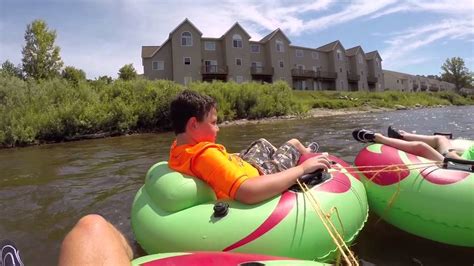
<point>45,189</point>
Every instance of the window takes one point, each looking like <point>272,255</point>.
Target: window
<point>210,46</point>
<point>299,53</point>
<point>315,68</point>
<point>187,60</point>
<point>186,39</point>
<point>360,58</point>
<point>237,41</point>
<point>279,46</point>
<point>300,67</point>
<point>158,65</point>
<point>239,79</point>
<point>238,61</point>
<point>315,55</point>
<point>339,55</point>
<point>211,66</point>
<point>255,48</point>
<point>257,66</point>
<point>340,69</point>
<point>362,73</point>
<point>187,80</point>
<point>376,61</point>
<point>281,64</point>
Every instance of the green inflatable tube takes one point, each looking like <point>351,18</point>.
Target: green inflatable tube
<point>218,259</point>
<point>175,213</point>
<point>430,202</point>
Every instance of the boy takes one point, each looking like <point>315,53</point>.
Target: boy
<point>258,173</point>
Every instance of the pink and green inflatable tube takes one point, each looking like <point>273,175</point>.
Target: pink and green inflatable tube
<point>174,213</point>
<point>218,259</point>
<point>431,202</point>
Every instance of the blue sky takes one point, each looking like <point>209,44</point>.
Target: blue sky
<point>100,36</point>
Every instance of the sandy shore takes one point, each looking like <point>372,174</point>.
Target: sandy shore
<point>316,112</point>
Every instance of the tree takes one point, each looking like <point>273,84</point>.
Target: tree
<point>105,79</point>
<point>127,72</point>
<point>73,74</point>
<point>456,72</point>
<point>41,59</point>
<point>10,69</point>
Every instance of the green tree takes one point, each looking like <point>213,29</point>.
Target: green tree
<point>41,59</point>
<point>73,74</point>
<point>105,79</point>
<point>127,72</point>
<point>10,69</point>
<point>456,72</point>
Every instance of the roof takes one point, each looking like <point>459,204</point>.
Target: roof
<point>186,20</point>
<point>353,51</point>
<point>372,55</point>
<point>148,51</point>
<point>330,46</point>
<point>236,24</point>
<point>272,34</point>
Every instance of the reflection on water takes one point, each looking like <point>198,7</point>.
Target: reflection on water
<point>44,190</point>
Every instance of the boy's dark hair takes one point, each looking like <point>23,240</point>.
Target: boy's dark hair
<point>189,104</point>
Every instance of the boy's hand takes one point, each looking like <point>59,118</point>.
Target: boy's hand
<point>314,163</point>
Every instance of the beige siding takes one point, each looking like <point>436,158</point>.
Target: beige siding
<point>231,53</point>
<point>259,57</point>
<point>180,70</point>
<point>275,56</point>
<point>217,55</point>
<point>164,54</point>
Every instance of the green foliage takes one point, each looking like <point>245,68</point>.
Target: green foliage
<point>8,68</point>
<point>455,71</point>
<point>127,72</point>
<point>73,74</point>
<point>41,59</point>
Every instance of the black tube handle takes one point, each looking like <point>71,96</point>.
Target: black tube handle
<point>447,134</point>
<point>458,161</point>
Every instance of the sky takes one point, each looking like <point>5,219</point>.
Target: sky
<point>100,36</point>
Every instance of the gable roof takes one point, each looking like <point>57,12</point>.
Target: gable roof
<point>272,34</point>
<point>149,51</point>
<point>186,20</point>
<point>372,55</point>
<point>330,46</point>
<point>353,51</point>
<point>236,25</point>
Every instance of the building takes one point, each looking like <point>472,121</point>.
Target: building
<point>187,56</point>
<point>413,83</point>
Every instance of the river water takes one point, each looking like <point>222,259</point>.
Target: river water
<point>45,189</point>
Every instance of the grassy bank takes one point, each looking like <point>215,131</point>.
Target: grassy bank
<point>56,110</point>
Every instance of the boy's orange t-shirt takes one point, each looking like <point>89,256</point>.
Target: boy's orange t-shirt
<point>210,162</point>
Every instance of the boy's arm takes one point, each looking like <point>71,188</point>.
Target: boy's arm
<point>257,189</point>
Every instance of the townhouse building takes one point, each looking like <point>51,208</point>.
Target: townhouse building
<point>187,56</point>
<point>413,83</point>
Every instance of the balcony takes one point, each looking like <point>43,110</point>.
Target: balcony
<point>214,70</point>
<point>302,73</point>
<point>353,77</point>
<point>326,75</point>
<point>261,71</point>
<point>372,79</point>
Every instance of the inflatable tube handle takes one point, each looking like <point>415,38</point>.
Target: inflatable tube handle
<point>447,134</point>
<point>458,161</point>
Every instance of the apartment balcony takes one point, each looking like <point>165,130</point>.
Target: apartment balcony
<point>353,77</point>
<point>302,73</point>
<point>326,75</point>
<point>214,70</point>
<point>261,71</point>
<point>372,79</point>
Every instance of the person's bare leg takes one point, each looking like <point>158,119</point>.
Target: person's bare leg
<point>440,143</point>
<point>418,148</point>
<point>94,241</point>
<point>299,146</point>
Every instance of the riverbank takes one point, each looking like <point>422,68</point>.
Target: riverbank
<point>56,110</point>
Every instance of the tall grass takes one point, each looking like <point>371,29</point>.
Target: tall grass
<point>56,110</point>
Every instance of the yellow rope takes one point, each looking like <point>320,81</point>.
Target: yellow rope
<point>338,240</point>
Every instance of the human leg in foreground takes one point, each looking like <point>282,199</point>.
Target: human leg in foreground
<point>411,143</point>
<point>94,241</point>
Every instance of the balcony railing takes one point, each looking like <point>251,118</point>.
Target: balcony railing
<point>296,72</point>
<point>214,70</point>
<point>326,75</point>
<point>372,79</point>
<point>353,77</point>
<point>257,70</point>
